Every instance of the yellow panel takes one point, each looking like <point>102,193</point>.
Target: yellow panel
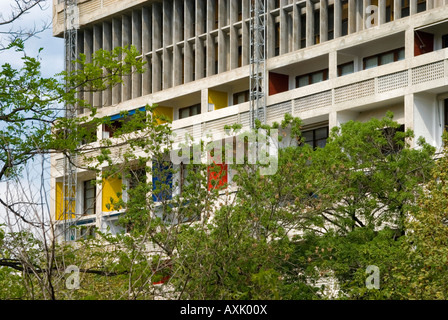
<point>59,214</point>
<point>164,111</point>
<point>111,187</point>
<point>218,99</point>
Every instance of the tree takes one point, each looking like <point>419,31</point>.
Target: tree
<point>32,125</point>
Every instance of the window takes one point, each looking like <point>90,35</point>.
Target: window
<point>331,22</point>
<point>344,30</point>
<point>162,181</point>
<point>316,26</point>
<point>89,197</point>
<point>389,10</point>
<point>88,133</point>
<point>118,121</point>
<point>86,232</point>
<point>303,30</point>
<point>404,8</point>
<point>316,138</point>
<point>346,68</point>
<point>421,5</point>
<point>384,58</point>
<point>445,41</point>
<point>136,177</point>
<point>240,97</point>
<point>277,39</point>
<point>311,78</point>
<point>190,111</point>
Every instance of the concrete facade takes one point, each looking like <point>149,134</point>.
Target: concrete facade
<point>329,61</point>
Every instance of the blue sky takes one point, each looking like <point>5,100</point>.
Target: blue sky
<point>52,56</point>
<point>52,60</point>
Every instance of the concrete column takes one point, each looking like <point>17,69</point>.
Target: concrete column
<point>296,27</point>
<point>359,15</point>
<point>157,26</point>
<point>210,26</point>
<point>80,94</point>
<point>177,37</point>
<point>200,58</point>
<point>233,34</point>
<point>156,44</point>
<point>246,34</point>
<point>222,48</point>
<point>382,11</point>
<point>137,42</point>
<point>365,14</point>
<point>116,42</point>
<point>397,9</point>
<point>204,101</point>
<point>188,62</point>
<point>352,16</point>
<point>333,65</point>
<point>337,19</point>
<point>429,4</point>
<point>97,44</point>
<point>189,18</point>
<point>88,50</point>
<point>409,43</point>
<point>270,38</point>
<point>284,30</point>
<point>309,23</point>
<point>323,20</point>
<point>107,45</point>
<point>146,48</point>
<point>126,41</point>
<point>412,7</point>
<point>409,114</point>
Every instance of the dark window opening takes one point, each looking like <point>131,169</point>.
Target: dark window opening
<point>118,122</point>
<point>316,138</point>
<point>445,41</point>
<point>136,177</point>
<point>405,8</point>
<point>303,31</point>
<point>344,30</point>
<point>241,97</point>
<point>277,39</point>
<point>316,26</point>
<point>311,78</point>
<point>421,5</point>
<point>190,111</point>
<point>346,68</point>
<point>331,22</point>
<point>89,197</point>
<point>88,133</point>
<point>383,58</point>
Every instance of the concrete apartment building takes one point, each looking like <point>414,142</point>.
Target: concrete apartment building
<point>327,62</point>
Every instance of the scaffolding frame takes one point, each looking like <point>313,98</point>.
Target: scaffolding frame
<point>258,55</point>
<point>69,185</point>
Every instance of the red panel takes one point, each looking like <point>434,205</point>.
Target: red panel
<point>278,83</point>
<point>217,178</point>
<point>423,43</point>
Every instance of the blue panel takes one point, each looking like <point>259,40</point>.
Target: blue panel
<point>166,177</point>
<point>130,113</point>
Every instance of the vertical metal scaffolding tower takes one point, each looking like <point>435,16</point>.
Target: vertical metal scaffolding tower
<point>71,14</point>
<point>258,54</point>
